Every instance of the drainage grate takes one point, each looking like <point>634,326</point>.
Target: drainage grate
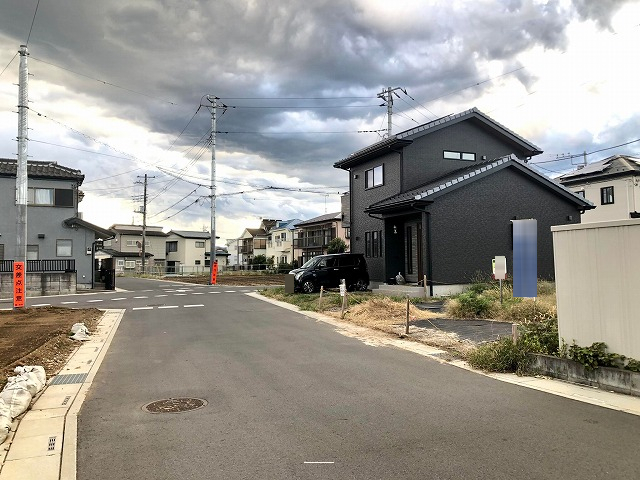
<point>66,399</point>
<point>68,379</point>
<point>52,444</point>
<point>174,405</point>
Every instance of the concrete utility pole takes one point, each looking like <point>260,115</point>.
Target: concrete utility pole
<point>212,254</point>
<point>144,222</point>
<point>387,96</point>
<point>21,173</point>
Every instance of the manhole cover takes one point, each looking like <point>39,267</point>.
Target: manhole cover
<point>174,405</point>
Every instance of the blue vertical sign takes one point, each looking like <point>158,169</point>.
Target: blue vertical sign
<point>525,258</point>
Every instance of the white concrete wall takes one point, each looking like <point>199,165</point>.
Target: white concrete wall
<point>597,269</point>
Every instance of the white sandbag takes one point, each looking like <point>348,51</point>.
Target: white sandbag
<point>77,327</point>
<point>5,421</point>
<point>16,397</point>
<point>80,332</point>
<point>36,369</point>
<point>28,380</point>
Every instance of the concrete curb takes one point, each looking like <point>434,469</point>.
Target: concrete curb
<point>581,393</point>
<point>44,442</point>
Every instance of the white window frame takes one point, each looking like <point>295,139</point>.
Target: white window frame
<point>200,244</point>
<point>130,265</point>
<point>120,263</point>
<point>453,155</point>
<point>374,177</point>
<point>36,196</point>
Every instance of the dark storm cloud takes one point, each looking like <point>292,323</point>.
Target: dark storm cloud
<point>166,55</point>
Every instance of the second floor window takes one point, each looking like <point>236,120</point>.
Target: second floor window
<point>172,247</point>
<point>53,197</point>
<point>374,177</point>
<point>199,244</point>
<point>606,195</point>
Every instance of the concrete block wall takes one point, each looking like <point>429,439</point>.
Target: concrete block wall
<point>40,284</point>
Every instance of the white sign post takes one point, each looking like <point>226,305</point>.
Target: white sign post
<point>500,271</point>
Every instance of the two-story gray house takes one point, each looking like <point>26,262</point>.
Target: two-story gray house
<point>438,200</point>
<point>55,230</point>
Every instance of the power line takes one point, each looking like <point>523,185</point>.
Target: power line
<point>569,157</point>
<point>10,61</point>
<point>104,81</point>
<point>302,133</point>
<point>296,98</point>
<point>32,22</point>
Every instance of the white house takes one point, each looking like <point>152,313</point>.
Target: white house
<point>187,252</point>
<point>280,241</point>
<point>612,184</point>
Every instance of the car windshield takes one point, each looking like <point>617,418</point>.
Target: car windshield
<point>310,263</point>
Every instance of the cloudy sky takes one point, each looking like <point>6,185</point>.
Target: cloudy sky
<point>118,89</point>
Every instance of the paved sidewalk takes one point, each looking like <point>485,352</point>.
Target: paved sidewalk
<point>42,444</point>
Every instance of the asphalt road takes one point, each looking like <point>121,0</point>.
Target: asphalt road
<point>285,392</point>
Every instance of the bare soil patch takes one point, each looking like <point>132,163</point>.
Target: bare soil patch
<point>40,336</point>
<point>235,279</point>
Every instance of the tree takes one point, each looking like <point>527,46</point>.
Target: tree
<point>337,245</point>
<point>259,262</point>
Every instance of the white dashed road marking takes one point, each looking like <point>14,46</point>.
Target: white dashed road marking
<point>93,301</point>
<point>197,293</point>
<point>42,305</point>
<point>179,294</point>
<point>142,308</point>
<point>121,298</point>
<point>161,295</point>
<point>141,297</point>
<point>169,306</point>
<point>67,303</point>
<point>191,306</point>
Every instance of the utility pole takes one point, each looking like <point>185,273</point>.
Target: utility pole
<point>214,107</point>
<point>387,96</point>
<point>143,210</point>
<point>21,172</point>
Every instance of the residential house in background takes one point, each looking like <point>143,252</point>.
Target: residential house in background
<point>55,229</point>
<point>126,248</point>
<point>232,250</point>
<point>187,252</point>
<point>280,242</point>
<point>612,184</point>
<point>437,201</point>
<point>311,237</point>
<point>253,241</point>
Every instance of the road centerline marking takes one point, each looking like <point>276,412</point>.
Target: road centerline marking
<point>191,306</point>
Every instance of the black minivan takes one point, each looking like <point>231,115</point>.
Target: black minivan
<point>329,270</point>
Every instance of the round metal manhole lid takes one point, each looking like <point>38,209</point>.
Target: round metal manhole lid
<point>174,405</point>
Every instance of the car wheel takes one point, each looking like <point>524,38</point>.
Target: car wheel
<point>361,285</point>
<point>308,286</point>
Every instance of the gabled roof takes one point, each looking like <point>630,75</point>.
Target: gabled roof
<point>38,169</point>
<point>614,166</point>
<point>190,234</point>
<point>137,230</point>
<point>100,232</point>
<point>321,219</point>
<point>405,138</point>
<point>430,191</point>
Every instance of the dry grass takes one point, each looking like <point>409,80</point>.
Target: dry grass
<point>387,315</point>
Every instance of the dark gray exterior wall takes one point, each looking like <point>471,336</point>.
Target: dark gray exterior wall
<point>423,159</point>
<point>361,198</point>
<point>47,221</point>
<point>472,224</point>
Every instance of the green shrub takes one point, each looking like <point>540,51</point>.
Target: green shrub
<point>595,356</point>
<point>470,305</point>
<point>540,337</point>
<point>500,356</point>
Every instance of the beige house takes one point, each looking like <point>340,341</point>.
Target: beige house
<point>311,237</point>
<point>126,247</point>
<point>187,252</point>
<point>253,241</point>
<point>612,184</point>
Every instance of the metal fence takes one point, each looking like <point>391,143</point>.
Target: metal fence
<point>6,266</point>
